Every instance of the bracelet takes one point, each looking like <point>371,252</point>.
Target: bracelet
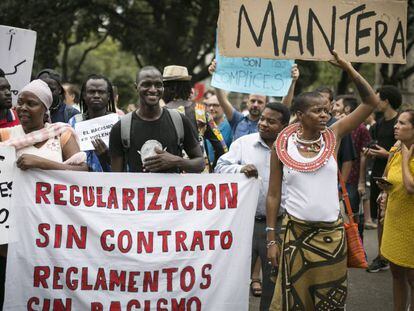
<point>270,229</point>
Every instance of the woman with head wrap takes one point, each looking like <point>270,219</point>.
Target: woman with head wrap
<point>39,144</point>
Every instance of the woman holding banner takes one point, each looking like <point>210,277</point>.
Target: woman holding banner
<point>312,256</point>
<point>39,144</point>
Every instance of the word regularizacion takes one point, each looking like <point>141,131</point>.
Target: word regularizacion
<point>187,198</point>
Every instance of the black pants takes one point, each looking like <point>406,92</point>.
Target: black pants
<point>355,200</point>
<point>259,250</point>
<point>375,191</point>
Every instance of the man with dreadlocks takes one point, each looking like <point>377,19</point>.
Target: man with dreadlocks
<point>177,93</point>
<point>96,100</point>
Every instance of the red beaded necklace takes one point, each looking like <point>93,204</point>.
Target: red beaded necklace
<point>329,141</point>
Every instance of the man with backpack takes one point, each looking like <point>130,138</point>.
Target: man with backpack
<point>152,138</point>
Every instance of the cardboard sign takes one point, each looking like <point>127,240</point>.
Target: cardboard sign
<point>17,48</point>
<point>252,75</point>
<point>131,242</point>
<point>7,160</point>
<point>95,128</point>
<point>360,31</point>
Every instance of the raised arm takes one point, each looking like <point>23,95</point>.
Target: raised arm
<point>222,95</point>
<point>288,99</point>
<point>369,100</point>
<point>274,197</point>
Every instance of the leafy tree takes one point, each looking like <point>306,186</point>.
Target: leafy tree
<point>164,32</point>
<point>59,24</point>
<point>109,60</point>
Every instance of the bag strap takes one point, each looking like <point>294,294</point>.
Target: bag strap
<point>178,125</point>
<point>345,196</point>
<point>126,122</point>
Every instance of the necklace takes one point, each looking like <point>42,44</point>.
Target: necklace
<point>307,145</point>
<point>305,141</point>
<point>327,140</point>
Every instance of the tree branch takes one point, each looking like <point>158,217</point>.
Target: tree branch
<point>75,72</point>
<point>139,63</point>
<point>405,74</point>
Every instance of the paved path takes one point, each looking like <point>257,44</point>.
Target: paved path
<point>367,291</point>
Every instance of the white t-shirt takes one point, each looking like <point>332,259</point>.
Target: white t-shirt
<point>311,196</point>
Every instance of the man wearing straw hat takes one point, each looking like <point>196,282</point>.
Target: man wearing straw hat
<point>177,94</point>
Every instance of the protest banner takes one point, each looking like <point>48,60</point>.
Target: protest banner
<point>361,31</point>
<point>95,128</point>
<point>131,241</point>
<point>7,160</point>
<point>252,75</point>
<point>17,48</point>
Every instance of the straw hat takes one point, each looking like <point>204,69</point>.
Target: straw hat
<point>176,73</point>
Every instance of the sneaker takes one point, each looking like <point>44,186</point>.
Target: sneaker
<point>370,225</point>
<point>377,265</point>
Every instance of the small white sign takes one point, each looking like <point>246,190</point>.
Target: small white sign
<point>7,160</point>
<point>17,49</point>
<point>90,130</point>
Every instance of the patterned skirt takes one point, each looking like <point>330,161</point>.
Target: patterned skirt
<point>312,267</point>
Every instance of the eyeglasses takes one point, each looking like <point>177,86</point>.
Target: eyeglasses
<point>212,105</point>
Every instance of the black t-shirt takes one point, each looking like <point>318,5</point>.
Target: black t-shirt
<point>162,130</point>
<point>383,133</point>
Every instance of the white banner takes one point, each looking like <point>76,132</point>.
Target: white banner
<point>17,49</point>
<point>7,160</point>
<point>95,128</point>
<point>131,241</point>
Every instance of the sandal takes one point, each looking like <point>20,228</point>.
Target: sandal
<point>256,291</point>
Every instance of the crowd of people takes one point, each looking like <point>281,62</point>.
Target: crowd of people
<point>296,146</point>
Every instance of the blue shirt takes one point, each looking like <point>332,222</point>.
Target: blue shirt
<point>59,115</point>
<point>242,125</point>
<point>225,130</point>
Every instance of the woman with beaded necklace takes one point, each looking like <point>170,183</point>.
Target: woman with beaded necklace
<point>312,255</point>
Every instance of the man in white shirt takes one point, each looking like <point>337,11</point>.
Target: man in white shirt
<point>250,154</point>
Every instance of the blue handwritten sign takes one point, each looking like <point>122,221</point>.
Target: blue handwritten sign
<point>252,75</point>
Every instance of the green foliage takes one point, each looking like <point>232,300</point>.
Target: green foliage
<point>108,60</point>
<point>166,32</point>
<point>114,37</point>
<point>55,22</point>
<point>329,75</point>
